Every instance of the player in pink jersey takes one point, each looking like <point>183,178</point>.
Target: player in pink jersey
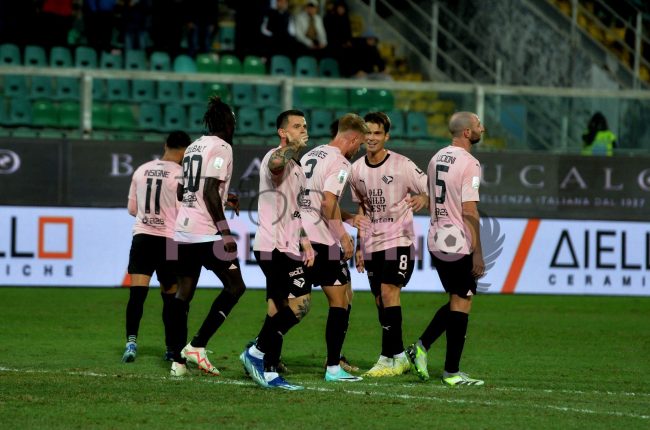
<point>389,188</point>
<point>152,201</point>
<point>277,250</point>
<point>203,236</point>
<point>327,169</point>
<point>455,245</point>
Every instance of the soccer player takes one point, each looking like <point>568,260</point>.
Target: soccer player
<point>203,236</point>
<point>454,180</point>
<point>277,250</point>
<point>152,201</point>
<point>327,168</point>
<point>389,188</point>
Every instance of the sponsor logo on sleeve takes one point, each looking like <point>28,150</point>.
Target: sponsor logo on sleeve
<point>218,163</point>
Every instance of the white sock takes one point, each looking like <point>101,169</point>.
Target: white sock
<point>333,370</point>
<point>256,352</point>
<point>400,355</point>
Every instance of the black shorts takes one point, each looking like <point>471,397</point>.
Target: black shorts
<point>329,269</point>
<point>390,266</point>
<point>285,273</point>
<point>456,276</point>
<point>193,256</point>
<point>148,255</point>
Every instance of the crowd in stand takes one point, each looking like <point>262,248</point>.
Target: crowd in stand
<point>262,27</point>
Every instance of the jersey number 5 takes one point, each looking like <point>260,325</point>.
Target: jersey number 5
<point>441,183</point>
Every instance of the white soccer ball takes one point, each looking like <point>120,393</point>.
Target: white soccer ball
<point>449,238</point>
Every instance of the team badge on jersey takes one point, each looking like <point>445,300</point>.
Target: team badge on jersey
<point>387,179</point>
<point>218,163</point>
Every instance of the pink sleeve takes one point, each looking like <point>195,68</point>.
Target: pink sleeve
<point>417,178</point>
<point>336,179</point>
<point>218,161</point>
<point>471,182</point>
<point>132,205</point>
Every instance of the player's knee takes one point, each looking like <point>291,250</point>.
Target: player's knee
<point>236,288</point>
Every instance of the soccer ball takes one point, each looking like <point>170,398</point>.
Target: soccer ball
<point>449,238</point>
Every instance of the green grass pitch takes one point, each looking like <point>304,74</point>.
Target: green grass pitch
<point>548,362</point>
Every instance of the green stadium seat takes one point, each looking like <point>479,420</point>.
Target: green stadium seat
<point>41,87</point>
<point>110,61</point>
<point>207,63</point>
<point>174,117</point>
<point>397,125</point>
<point>9,55</point>
<point>309,97</point>
<point>230,64</point>
<point>222,90</point>
<point>3,111</point>
<point>150,117</point>
<point>195,118</point>
<point>281,66</point>
<point>361,99</point>
<point>143,90</point>
<point>45,114</point>
<point>117,90</point>
<point>122,117</point>
<point>382,100</point>
<point>35,56</point>
<point>184,64</point>
<point>160,62</point>
<point>192,92</point>
<point>60,56</point>
<point>306,67</point>
<point>168,91</point>
<point>70,114</point>
<point>269,117</point>
<point>67,88</point>
<point>328,68</point>
<point>85,58</point>
<point>20,112</point>
<point>14,86</point>
<point>99,89</point>
<point>320,120</point>
<point>227,37</point>
<point>253,65</point>
<point>267,95</point>
<point>248,121</point>
<point>336,98</point>
<point>416,125</point>
<point>135,59</point>
<point>242,94</point>
<point>100,116</point>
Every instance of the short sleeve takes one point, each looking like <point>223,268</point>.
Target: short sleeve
<point>471,182</point>
<point>218,161</point>
<point>336,179</point>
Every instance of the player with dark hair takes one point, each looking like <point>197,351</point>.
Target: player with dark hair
<point>389,188</point>
<point>277,250</point>
<point>152,201</point>
<point>327,169</point>
<point>454,180</point>
<point>203,236</point>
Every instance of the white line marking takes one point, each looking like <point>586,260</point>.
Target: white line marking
<point>223,381</point>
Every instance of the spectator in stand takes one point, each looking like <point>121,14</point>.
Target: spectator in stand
<point>278,30</point>
<point>99,19</point>
<point>310,30</point>
<point>248,19</point>
<point>365,62</point>
<point>338,29</point>
<point>598,139</point>
<point>55,21</point>
<point>136,22</point>
<point>202,24</point>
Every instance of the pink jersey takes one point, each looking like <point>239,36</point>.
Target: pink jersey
<point>152,198</point>
<point>326,169</point>
<point>278,207</point>
<point>207,157</point>
<point>382,190</point>
<point>454,178</point>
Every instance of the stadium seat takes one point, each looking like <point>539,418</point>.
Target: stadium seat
<point>397,126</point>
<point>100,116</point>
<point>110,61</point>
<point>15,86</point>
<point>382,100</point>
<point>135,59</point>
<point>69,114</point>
<point>267,95</point>
<point>117,89</point>
<point>20,111</point>
<point>122,117</point>
<point>99,89</point>
<point>195,118</point>
<point>192,92</point>
<point>281,66</point>
<point>226,37</point>
<point>160,62</point>
<point>223,91</point>
<point>44,114</point>
<point>168,91</point>
<point>174,117</point>
<point>207,63</point>
<point>85,58</point>
<point>67,88</point>
<point>184,64</point>
<point>416,125</point>
<point>150,117</point>
<point>308,97</point>
<point>320,120</point>
<point>242,94</point>
<point>253,65</point>
<point>269,116</point>
<point>360,99</point>
<point>306,67</point>
<point>9,55</point>
<point>41,87</point>
<point>248,121</point>
<point>3,111</point>
<point>336,98</point>
<point>60,57</point>
<point>142,90</point>
<point>35,56</point>
<point>230,64</point>
<point>328,68</point>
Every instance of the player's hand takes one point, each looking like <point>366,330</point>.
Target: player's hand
<point>298,143</point>
<point>229,245</point>
<point>233,202</point>
<point>308,255</point>
<point>361,222</point>
<point>417,202</point>
<point>478,265</point>
<point>348,246</point>
<point>358,261</point>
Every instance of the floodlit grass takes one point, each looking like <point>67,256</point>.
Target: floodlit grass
<point>548,362</point>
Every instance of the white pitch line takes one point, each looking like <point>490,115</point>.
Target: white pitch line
<point>224,381</point>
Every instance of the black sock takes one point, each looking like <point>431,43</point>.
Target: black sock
<point>381,313</point>
<point>436,327</point>
<point>347,321</point>
<point>178,318</point>
<point>271,341</point>
<point>134,310</point>
<point>456,331</point>
<point>220,309</point>
<point>266,326</point>
<point>337,321</point>
<point>393,329</point>
<point>167,318</point>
